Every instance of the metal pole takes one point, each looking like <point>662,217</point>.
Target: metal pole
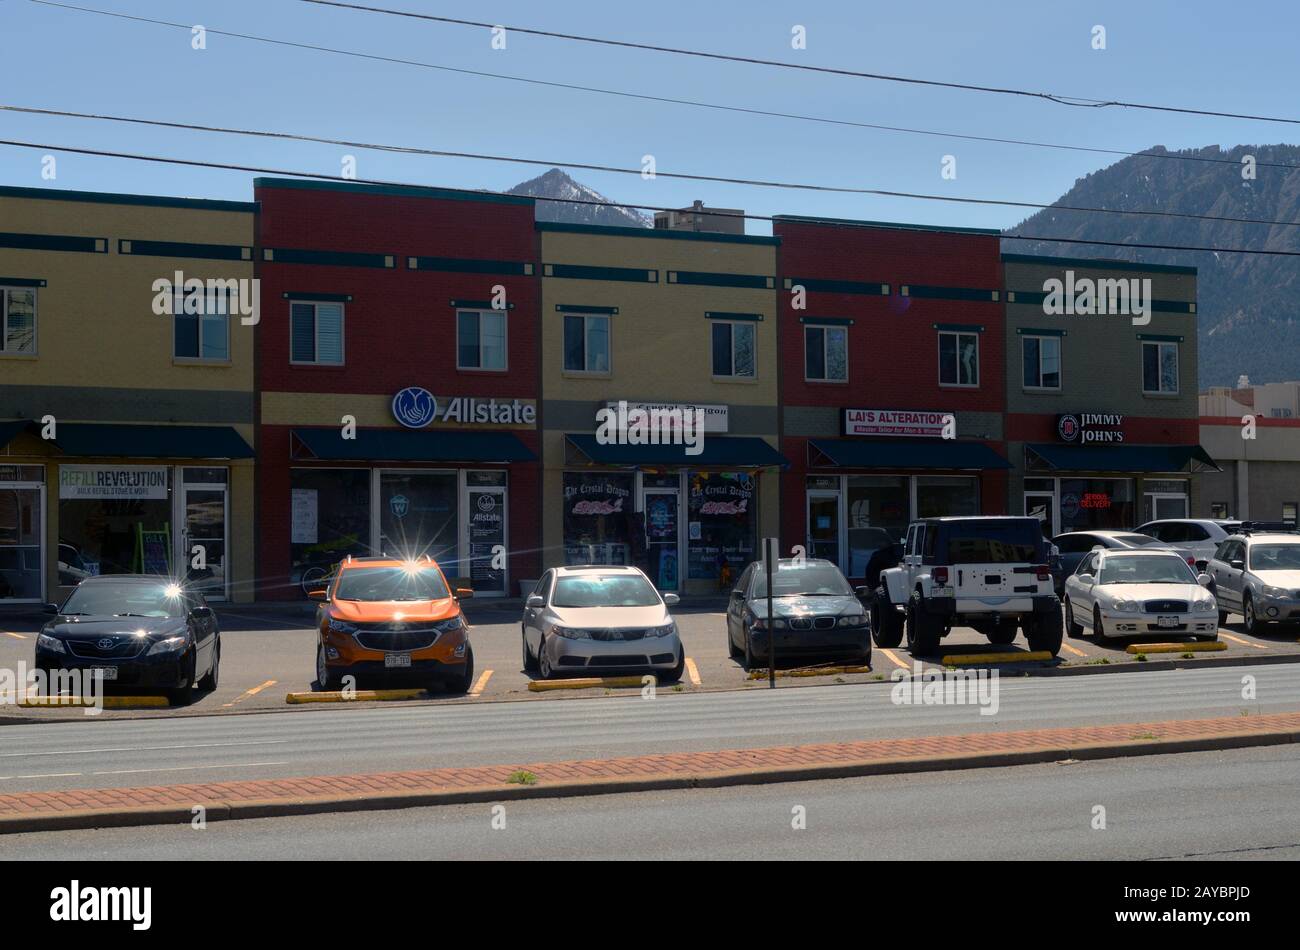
<point>772,552</point>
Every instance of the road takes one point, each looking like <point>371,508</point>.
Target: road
<point>1215,805</point>
<point>343,740</point>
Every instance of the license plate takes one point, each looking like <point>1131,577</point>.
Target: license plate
<point>1167,622</point>
<point>108,672</point>
<point>401,660</point>
<point>992,579</point>
<point>941,592</point>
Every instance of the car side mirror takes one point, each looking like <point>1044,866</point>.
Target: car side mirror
<point>672,600</point>
<point>464,593</point>
<point>1087,579</point>
<point>1201,566</point>
<point>201,613</point>
<point>318,595</point>
<point>534,601</point>
<point>1205,580</point>
<point>51,608</point>
<point>862,591</point>
<point>1236,564</point>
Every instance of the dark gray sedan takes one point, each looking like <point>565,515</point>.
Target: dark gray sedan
<point>815,612</point>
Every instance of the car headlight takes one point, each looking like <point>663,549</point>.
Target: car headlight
<point>853,620</point>
<point>1276,591</point>
<point>451,625</point>
<point>1126,606</point>
<point>666,630</point>
<point>570,633</point>
<point>1205,604</point>
<point>342,626</point>
<point>53,644</point>
<point>760,623</point>
<point>168,645</point>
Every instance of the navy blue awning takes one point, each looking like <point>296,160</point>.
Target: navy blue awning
<point>717,451</point>
<point>1118,458</point>
<point>410,445</point>
<point>947,454</point>
<point>11,429</point>
<point>110,440</point>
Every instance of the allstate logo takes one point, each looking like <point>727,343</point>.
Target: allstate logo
<point>399,505</point>
<point>486,503</point>
<point>414,407</point>
<point>1067,427</point>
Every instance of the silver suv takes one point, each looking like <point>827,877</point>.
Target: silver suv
<point>1194,538</point>
<point>1257,575</point>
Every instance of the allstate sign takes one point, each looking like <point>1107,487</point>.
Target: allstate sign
<point>414,407</point>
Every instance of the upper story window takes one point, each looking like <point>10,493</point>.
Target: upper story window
<point>733,349</point>
<point>201,325</point>
<point>959,359</point>
<point>481,339</point>
<point>1159,367</point>
<point>17,321</point>
<point>317,333</point>
<point>586,343</point>
<point>1042,361</point>
<point>825,354</point>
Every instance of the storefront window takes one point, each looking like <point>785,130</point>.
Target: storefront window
<point>114,519</point>
<point>938,496</point>
<point>722,526</point>
<point>1164,498</point>
<point>20,539</point>
<point>331,518</point>
<point>878,515</point>
<point>600,526</point>
<point>1097,504</point>
<point>417,516</point>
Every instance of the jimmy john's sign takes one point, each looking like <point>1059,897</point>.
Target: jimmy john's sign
<point>1090,428</point>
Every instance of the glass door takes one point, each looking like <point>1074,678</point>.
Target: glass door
<point>21,528</point>
<point>824,525</point>
<point>417,516</point>
<point>485,507</point>
<point>203,538</point>
<point>1042,505</point>
<point>662,536</point>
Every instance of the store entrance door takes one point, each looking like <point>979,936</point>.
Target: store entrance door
<point>824,525</point>
<point>662,536</point>
<point>202,538</point>
<point>22,525</point>
<point>486,509</point>
<point>1042,505</point>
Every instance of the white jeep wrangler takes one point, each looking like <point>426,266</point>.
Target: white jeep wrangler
<point>989,573</point>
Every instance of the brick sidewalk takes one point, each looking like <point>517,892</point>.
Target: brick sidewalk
<point>155,804</point>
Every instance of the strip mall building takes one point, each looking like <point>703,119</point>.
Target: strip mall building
<point>428,369</point>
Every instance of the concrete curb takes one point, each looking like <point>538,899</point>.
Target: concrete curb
<point>383,801</point>
<point>1196,646</point>
<point>997,659</point>
<point>586,682</point>
<point>360,696</point>
<point>814,671</point>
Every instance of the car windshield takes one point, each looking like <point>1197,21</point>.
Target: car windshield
<point>126,599</point>
<point>604,590</point>
<point>1275,557</point>
<point>391,583</point>
<point>993,542</point>
<point>1135,540</point>
<point>810,580</point>
<point>1146,570</point>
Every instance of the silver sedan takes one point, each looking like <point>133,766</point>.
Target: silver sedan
<point>598,620</point>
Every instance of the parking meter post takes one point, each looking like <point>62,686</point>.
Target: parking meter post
<point>770,554</point>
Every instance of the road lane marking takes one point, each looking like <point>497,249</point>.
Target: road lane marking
<point>692,672</point>
<point>481,683</point>
<point>48,775</point>
<point>1245,643</point>
<point>895,660</point>
<point>190,768</point>
<point>148,748</point>
<point>16,636</point>
<point>1074,650</point>
<point>251,692</point>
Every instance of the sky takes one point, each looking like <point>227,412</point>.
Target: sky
<point>1190,53</point>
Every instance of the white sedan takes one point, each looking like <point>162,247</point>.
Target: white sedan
<point>1119,593</point>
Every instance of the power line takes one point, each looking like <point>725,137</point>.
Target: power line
<point>749,182</point>
<point>828,70</point>
<point>670,100</point>
<point>226,166</point>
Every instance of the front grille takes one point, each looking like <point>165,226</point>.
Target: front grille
<point>618,660</point>
<point>613,634</point>
<point>808,623</point>
<point>1165,606</point>
<point>123,648</point>
<point>391,639</point>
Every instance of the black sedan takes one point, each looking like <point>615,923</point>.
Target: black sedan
<point>814,613</point>
<point>1073,545</point>
<point>142,631</point>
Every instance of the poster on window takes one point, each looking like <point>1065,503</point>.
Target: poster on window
<point>305,516</point>
<point>487,538</point>
<point>722,505</point>
<point>112,482</point>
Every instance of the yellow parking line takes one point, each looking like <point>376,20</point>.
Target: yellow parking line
<point>692,672</point>
<point>16,636</point>
<point>1074,650</point>
<point>1245,643</point>
<point>893,659</point>
<point>481,683</point>
<point>247,693</point>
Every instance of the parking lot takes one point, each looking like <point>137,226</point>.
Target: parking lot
<point>269,654</point>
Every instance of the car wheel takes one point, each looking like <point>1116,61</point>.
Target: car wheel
<point>1075,630</point>
<point>1045,632</point>
<point>923,630</point>
<point>674,675</point>
<point>544,668</point>
<point>1254,626</point>
<point>749,652</point>
<point>1223,618</point>
<point>325,678</point>
<point>209,682</point>
<point>184,695</point>
<point>886,623</point>
<point>1098,630</point>
<point>462,681</point>
<point>530,661</point>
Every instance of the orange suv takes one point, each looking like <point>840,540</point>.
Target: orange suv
<point>394,618</point>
